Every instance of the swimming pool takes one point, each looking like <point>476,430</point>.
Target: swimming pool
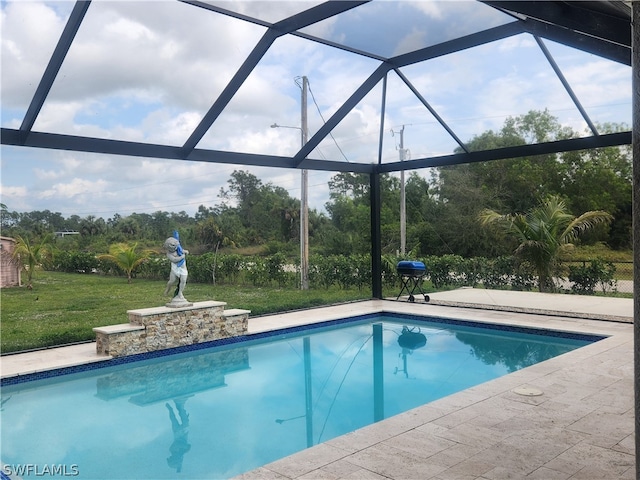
<point>217,412</point>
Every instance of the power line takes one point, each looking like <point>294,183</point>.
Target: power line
<point>324,121</point>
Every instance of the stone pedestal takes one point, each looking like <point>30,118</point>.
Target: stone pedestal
<point>158,328</point>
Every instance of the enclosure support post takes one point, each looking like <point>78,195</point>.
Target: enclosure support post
<point>376,250</point>
<point>635,140</point>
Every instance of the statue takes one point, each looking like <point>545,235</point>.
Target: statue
<point>177,256</point>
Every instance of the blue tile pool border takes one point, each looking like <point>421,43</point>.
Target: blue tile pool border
<point>45,374</point>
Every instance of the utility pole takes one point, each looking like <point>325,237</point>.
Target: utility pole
<point>403,201</point>
<point>304,198</point>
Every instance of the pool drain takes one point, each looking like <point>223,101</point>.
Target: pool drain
<point>528,391</point>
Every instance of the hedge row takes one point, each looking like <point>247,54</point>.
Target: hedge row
<point>346,271</point>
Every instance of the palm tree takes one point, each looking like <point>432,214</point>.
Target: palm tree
<point>126,257</point>
<point>544,232</point>
<point>30,255</point>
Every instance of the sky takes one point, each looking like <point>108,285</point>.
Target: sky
<point>148,71</point>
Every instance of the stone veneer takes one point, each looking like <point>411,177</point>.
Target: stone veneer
<point>158,328</point>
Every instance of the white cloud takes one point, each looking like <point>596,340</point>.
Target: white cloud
<point>30,31</point>
<point>597,81</point>
<point>74,188</point>
<point>13,193</point>
<point>168,129</point>
<point>517,42</point>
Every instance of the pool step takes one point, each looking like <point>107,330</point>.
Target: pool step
<point>236,312</point>
<point>120,328</point>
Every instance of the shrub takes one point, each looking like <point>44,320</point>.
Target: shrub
<point>524,277</point>
<point>498,272</point>
<point>362,270</point>
<point>155,268</point>
<point>259,271</point>
<point>444,270</point>
<point>585,278</point>
<point>322,270</point>
<point>229,267</point>
<point>74,262</point>
<point>472,271</point>
<point>275,268</point>
<point>200,268</point>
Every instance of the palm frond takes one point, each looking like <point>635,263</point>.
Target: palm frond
<point>584,222</point>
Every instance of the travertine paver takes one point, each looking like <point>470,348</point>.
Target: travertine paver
<point>391,462</point>
<point>615,464</point>
<point>308,460</point>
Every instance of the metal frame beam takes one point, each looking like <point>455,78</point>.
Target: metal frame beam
<point>635,85</point>
<point>73,143</point>
<point>432,111</point>
<point>376,235</point>
<point>230,90</point>
<point>566,85</point>
<point>383,109</point>
<point>540,25</point>
<point>55,62</point>
<point>136,149</point>
<point>608,140</point>
<point>573,16</point>
<point>595,46</point>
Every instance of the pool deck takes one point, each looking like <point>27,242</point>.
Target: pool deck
<point>581,426</point>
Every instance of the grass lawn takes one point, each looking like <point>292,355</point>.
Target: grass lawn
<point>63,308</point>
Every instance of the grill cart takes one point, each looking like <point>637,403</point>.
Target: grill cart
<point>411,276</point>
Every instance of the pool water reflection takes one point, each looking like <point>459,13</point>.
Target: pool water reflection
<point>218,412</point>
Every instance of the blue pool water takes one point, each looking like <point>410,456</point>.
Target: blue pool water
<point>220,411</point>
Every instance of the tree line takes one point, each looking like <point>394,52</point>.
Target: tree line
<point>443,210</point>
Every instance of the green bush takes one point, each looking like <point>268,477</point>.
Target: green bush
<point>155,268</point>
<point>523,277</point>
<point>256,271</point>
<point>501,272</point>
<point>472,271</point>
<point>347,271</point>
<point>268,271</point>
<point>200,268</point>
<point>498,272</point>
<point>275,269</point>
<point>74,262</point>
<point>586,277</point>
<point>107,267</point>
<point>322,270</point>
<point>229,267</point>
<point>361,271</point>
<point>445,270</point>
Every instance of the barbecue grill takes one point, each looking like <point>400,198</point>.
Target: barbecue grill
<point>411,275</point>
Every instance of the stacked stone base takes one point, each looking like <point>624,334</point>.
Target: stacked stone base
<point>159,328</point>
